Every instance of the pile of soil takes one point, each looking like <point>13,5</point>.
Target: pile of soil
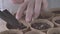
<point>40,26</point>
<point>11,27</point>
<point>43,17</point>
<point>56,12</point>
<point>57,21</point>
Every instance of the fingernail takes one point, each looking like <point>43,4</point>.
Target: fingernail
<point>17,17</point>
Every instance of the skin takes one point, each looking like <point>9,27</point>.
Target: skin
<point>32,9</point>
<point>40,5</point>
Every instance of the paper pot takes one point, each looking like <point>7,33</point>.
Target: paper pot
<point>2,25</point>
<point>25,27</point>
<point>56,11</point>
<point>12,31</point>
<point>35,32</point>
<point>53,31</point>
<point>22,20</point>
<point>26,24</point>
<point>41,25</point>
<point>56,21</point>
<point>46,15</point>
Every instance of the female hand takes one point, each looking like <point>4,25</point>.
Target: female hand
<point>32,9</point>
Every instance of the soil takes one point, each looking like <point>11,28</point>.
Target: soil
<point>44,17</point>
<point>12,27</point>
<point>56,12</point>
<point>40,26</point>
<point>57,21</point>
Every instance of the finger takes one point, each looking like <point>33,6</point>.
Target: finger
<point>45,4</point>
<point>21,10</point>
<point>37,8</point>
<point>44,7</point>
<point>29,11</point>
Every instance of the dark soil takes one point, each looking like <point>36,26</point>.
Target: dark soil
<point>57,21</point>
<point>44,17</point>
<point>40,26</point>
<point>56,12</point>
<point>12,27</point>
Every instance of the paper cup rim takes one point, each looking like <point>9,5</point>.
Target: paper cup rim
<point>50,30</point>
<point>45,20</point>
<point>36,31</point>
<point>13,30</point>
<point>56,18</point>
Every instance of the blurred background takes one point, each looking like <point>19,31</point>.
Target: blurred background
<point>11,7</point>
<point>54,3</point>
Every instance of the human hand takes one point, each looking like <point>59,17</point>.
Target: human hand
<point>32,9</point>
